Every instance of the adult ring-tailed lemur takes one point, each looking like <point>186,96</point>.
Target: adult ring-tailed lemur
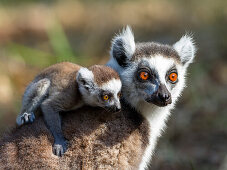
<point>153,77</point>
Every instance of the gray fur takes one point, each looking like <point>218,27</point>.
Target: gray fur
<point>64,87</point>
<point>150,49</point>
<point>34,94</point>
<point>123,46</point>
<point>120,141</point>
<point>157,95</point>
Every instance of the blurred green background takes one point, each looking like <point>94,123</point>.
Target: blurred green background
<point>37,33</point>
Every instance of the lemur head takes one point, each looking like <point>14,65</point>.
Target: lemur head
<point>151,72</point>
<point>100,86</point>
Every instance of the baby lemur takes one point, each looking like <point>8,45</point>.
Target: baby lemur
<point>67,86</point>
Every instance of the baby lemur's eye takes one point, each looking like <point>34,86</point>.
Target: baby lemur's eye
<point>144,75</point>
<point>173,77</point>
<point>106,97</point>
<point>119,94</point>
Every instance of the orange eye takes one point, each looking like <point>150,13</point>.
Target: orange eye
<point>105,97</point>
<point>144,75</point>
<point>119,94</point>
<point>173,77</point>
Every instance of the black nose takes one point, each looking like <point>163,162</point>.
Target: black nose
<point>161,97</point>
<point>164,95</point>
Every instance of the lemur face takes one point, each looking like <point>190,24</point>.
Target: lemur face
<point>100,86</point>
<point>151,72</point>
<point>155,79</point>
<point>109,95</point>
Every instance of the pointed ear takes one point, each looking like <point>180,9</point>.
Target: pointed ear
<point>123,46</point>
<point>85,78</point>
<point>186,49</point>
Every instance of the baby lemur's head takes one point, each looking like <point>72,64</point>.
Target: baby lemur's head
<point>100,86</point>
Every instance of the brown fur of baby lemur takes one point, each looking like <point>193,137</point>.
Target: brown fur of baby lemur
<point>67,86</point>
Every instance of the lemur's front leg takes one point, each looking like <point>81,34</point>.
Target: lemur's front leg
<point>53,122</point>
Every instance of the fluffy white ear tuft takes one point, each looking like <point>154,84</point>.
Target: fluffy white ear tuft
<point>123,46</point>
<point>128,41</point>
<point>85,78</point>
<point>186,49</point>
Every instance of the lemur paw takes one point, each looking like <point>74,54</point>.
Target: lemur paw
<point>60,148</point>
<point>25,118</point>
